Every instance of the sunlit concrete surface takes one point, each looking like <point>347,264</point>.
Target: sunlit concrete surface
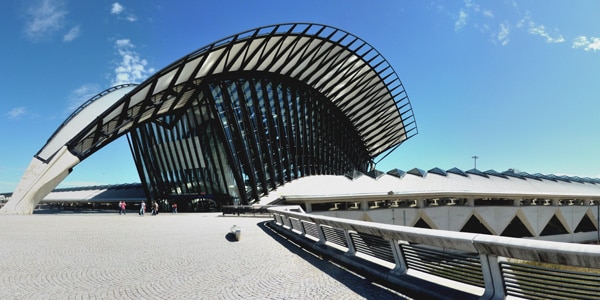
<point>183,256</point>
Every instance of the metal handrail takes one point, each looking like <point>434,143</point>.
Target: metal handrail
<point>499,257</point>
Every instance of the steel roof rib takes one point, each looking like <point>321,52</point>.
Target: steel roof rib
<point>319,55</point>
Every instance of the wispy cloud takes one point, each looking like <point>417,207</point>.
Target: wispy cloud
<point>16,112</point>
<point>587,44</point>
<point>540,30</point>
<point>461,21</point>
<point>45,18</point>
<point>72,34</point>
<point>131,18</point>
<point>118,9</point>
<point>503,34</point>
<point>485,20</point>
<point>132,68</point>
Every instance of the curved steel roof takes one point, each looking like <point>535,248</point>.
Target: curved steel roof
<point>343,67</point>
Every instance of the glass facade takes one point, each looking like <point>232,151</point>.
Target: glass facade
<point>241,136</point>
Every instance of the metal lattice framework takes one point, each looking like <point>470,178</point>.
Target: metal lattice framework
<point>254,131</point>
<point>328,100</point>
<point>342,67</point>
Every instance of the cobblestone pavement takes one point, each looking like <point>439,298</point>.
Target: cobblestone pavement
<point>183,256</point>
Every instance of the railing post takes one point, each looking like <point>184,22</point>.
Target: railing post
<point>285,219</point>
<point>302,231</point>
<point>351,249</point>
<point>322,239</point>
<point>401,266</point>
<point>492,277</point>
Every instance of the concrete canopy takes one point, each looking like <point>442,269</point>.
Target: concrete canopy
<point>342,67</point>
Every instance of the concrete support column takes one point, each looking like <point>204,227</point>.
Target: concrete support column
<point>471,202</point>
<point>364,205</point>
<point>308,206</point>
<point>420,203</point>
<point>517,202</point>
<point>38,181</point>
<point>555,202</point>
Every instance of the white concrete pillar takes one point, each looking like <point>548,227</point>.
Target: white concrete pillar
<point>38,181</point>
<point>308,206</point>
<point>471,202</point>
<point>364,204</point>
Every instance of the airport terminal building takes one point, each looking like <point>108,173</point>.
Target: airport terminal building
<point>236,119</point>
<point>297,113</point>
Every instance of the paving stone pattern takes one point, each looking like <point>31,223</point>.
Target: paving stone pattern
<point>183,256</point>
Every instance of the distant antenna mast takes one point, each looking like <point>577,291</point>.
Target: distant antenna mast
<point>475,157</point>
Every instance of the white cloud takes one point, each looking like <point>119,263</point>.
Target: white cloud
<point>580,41</point>
<point>503,34</point>
<point>540,30</point>
<point>72,34</point>
<point>461,21</point>
<point>46,17</point>
<point>593,43</point>
<point>132,68</point>
<point>124,43</point>
<point>16,112</point>
<point>81,95</point>
<point>116,8</point>
<point>472,11</point>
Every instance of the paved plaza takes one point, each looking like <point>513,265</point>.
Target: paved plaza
<point>184,256</point>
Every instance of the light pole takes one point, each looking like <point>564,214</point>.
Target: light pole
<point>475,157</point>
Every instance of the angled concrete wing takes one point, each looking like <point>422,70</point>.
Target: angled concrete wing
<point>54,161</point>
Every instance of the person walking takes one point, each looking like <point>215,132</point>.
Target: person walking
<point>154,208</point>
<point>142,208</point>
<point>174,207</point>
<point>123,207</point>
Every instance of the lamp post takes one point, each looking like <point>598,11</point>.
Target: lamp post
<point>475,157</point>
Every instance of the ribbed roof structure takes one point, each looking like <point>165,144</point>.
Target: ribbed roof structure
<point>343,67</point>
<point>323,100</point>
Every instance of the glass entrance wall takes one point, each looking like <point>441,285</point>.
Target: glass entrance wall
<point>244,135</point>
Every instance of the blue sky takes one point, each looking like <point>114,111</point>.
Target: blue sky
<point>515,83</point>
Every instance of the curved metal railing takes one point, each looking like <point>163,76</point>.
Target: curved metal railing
<point>446,264</point>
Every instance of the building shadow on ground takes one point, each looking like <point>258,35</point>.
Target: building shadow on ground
<point>363,286</point>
